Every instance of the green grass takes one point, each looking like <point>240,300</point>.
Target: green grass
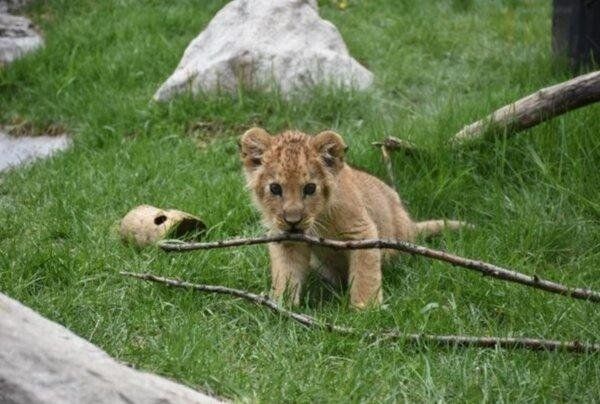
<point>438,65</point>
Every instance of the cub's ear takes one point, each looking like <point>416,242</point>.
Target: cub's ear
<point>331,147</point>
<point>252,145</point>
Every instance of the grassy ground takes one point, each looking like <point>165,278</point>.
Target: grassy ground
<point>438,66</point>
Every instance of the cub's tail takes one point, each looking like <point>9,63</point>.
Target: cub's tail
<point>430,228</point>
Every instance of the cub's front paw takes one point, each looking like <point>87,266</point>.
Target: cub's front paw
<point>285,299</point>
<point>372,304</point>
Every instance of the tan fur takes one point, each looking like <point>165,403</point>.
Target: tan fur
<point>347,204</point>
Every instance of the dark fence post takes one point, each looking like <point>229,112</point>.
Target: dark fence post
<point>576,32</point>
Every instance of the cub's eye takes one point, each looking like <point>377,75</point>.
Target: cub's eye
<point>310,188</point>
<point>275,189</point>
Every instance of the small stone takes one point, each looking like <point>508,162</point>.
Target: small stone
<point>17,150</point>
<point>12,5</point>
<point>17,37</point>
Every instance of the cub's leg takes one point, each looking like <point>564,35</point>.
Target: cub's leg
<point>290,264</point>
<point>365,278</point>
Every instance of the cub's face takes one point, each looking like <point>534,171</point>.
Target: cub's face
<point>292,175</point>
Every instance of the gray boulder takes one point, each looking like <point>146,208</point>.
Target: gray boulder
<point>43,362</point>
<point>263,44</point>
<point>17,37</point>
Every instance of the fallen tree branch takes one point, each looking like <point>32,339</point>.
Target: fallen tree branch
<point>413,338</point>
<point>482,267</point>
<point>536,108</point>
<point>393,143</point>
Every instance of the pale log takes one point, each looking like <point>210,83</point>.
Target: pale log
<point>535,108</point>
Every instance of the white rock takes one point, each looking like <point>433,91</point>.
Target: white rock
<point>17,37</point>
<point>43,362</point>
<point>259,43</point>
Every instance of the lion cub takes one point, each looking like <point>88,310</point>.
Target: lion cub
<point>300,183</point>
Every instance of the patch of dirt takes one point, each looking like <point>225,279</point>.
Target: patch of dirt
<point>19,126</point>
<point>204,132</point>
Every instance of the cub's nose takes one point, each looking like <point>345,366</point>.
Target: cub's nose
<point>292,221</point>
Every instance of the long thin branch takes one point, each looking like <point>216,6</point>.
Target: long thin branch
<point>535,108</point>
<point>413,338</point>
<point>482,267</point>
